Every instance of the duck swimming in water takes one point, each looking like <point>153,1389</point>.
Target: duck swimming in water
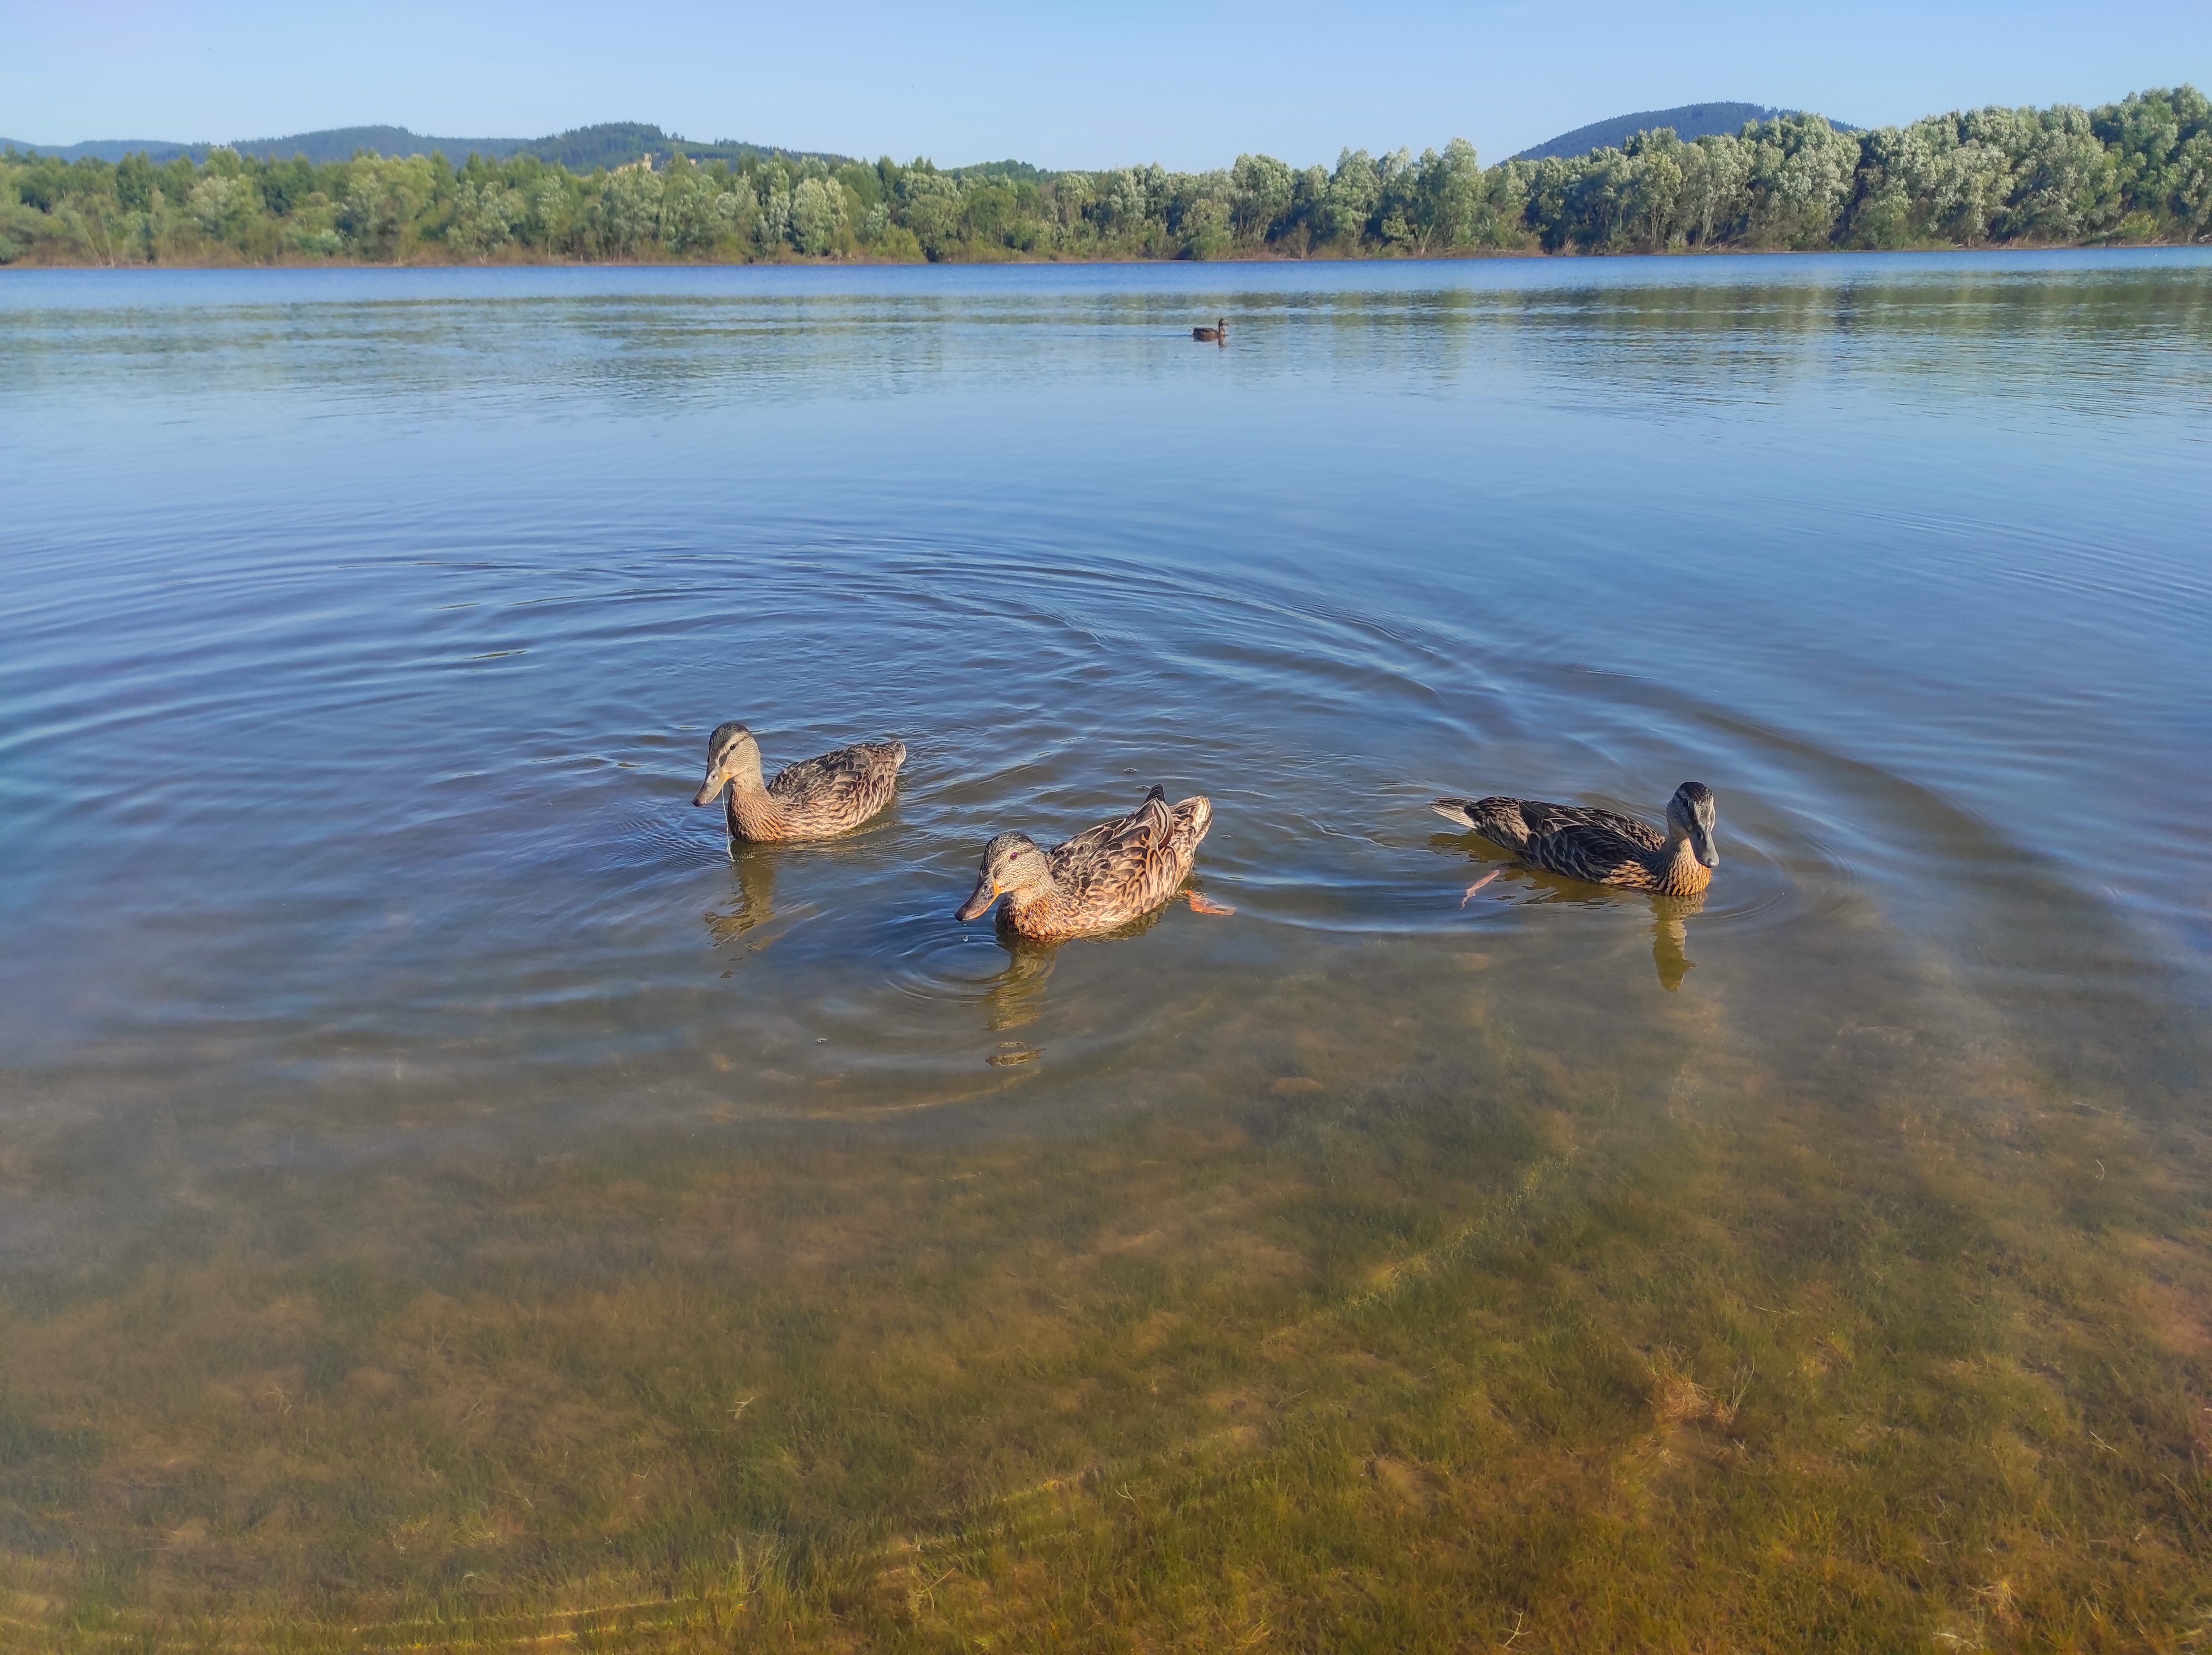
<point>1600,846</point>
<point>1105,877</point>
<point>815,798</point>
<point>1218,333</point>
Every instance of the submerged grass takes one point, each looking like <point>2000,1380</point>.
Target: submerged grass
<point>1637,1348</point>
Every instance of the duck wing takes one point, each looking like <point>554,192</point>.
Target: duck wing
<point>1517,824</point>
<point>1113,839</point>
<point>1569,818</point>
<point>1154,819</point>
<point>1119,864</point>
<point>849,784</point>
<point>1597,851</point>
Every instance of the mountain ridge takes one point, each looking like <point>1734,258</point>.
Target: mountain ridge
<point>1689,121</point>
<point>582,148</point>
<point>616,143</point>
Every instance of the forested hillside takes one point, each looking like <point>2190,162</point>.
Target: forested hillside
<point>2140,170</point>
<point>582,149</point>
<point>1689,121</point>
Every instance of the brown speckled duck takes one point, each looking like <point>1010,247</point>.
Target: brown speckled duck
<point>1215,335</point>
<point>1105,877</point>
<point>1599,846</point>
<point>815,798</point>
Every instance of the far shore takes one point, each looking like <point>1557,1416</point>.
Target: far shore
<point>431,258</point>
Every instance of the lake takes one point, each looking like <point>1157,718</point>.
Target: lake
<point>442,1186</point>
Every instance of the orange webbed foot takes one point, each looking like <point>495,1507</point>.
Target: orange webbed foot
<point>1202,904</point>
<point>1478,884</point>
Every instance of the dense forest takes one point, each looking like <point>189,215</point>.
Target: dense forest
<point>2140,170</point>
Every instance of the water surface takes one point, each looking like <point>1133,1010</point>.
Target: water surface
<point>362,631</point>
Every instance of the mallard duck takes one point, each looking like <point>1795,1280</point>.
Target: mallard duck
<point>1105,877</point>
<point>1218,333</point>
<point>1599,846</point>
<point>815,798</point>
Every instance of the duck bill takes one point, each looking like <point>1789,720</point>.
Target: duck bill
<point>1701,846</point>
<point>711,789</point>
<point>979,901</point>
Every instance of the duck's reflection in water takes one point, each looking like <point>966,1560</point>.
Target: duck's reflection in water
<point>745,918</point>
<point>1670,935</point>
<point>1670,930</point>
<point>1015,996</point>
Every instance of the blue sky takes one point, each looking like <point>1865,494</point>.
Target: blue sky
<point>1189,85</point>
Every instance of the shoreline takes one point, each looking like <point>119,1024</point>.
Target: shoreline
<point>1453,257</point>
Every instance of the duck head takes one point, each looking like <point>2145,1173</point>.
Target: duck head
<point>1012,864</point>
<point>733,754</point>
<point>1691,815</point>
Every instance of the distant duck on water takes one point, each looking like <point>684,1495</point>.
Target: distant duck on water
<point>815,798</point>
<point>1600,846</point>
<point>1215,335</point>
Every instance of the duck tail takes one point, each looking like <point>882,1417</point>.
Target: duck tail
<point>1195,815</point>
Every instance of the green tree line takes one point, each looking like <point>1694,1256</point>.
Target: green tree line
<point>2139,170</point>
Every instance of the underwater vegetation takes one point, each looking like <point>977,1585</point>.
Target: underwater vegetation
<point>1642,1347</point>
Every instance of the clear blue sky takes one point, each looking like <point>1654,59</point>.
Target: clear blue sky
<point>1189,85</point>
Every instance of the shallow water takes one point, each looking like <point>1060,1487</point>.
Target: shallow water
<point>363,630</point>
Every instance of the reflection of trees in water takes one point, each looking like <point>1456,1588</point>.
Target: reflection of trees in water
<point>1670,931</point>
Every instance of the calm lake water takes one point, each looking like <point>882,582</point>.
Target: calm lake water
<point>362,631</point>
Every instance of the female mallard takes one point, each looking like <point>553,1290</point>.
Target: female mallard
<point>1104,876</point>
<point>1218,333</point>
<point>1600,846</point>
<point>815,798</point>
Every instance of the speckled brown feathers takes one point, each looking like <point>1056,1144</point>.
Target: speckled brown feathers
<point>1104,877</point>
<point>815,798</point>
<point>1602,846</point>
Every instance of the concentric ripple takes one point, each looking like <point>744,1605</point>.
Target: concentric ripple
<point>353,684</point>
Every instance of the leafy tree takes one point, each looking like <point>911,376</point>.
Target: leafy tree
<point>134,183</point>
<point>1262,190</point>
<point>486,213</point>
<point>817,213</point>
<point>223,205</point>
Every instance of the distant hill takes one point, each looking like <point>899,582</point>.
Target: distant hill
<point>1014,172</point>
<point>616,143</point>
<point>1705,120</point>
<point>611,144</point>
<point>339,143</point>
<point>109,149</point>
